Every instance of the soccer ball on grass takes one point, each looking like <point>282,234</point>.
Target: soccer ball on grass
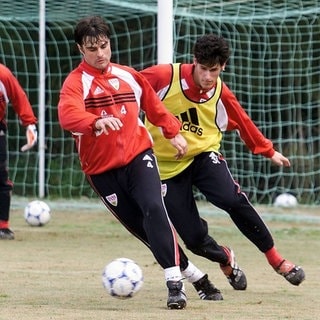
<point>285,200</point>
<point>122,278</point>
<point>37,213</point>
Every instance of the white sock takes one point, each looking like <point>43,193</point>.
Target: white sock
<point>192,273</point>
<point>172,274</point>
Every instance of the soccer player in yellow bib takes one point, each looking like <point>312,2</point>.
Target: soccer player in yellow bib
<point>196,95</point>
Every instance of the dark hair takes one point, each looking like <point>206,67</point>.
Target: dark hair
<point>211,49</point>
<point>92,27</point>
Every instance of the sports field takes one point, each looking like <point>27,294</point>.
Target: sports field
<point>54,272</point>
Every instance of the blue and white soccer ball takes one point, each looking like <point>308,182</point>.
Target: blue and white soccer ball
<point>37,213</point>
<point>122,278</point>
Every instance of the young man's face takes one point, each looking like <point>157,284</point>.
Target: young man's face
<point>96,52</point>
<point>206,77</point>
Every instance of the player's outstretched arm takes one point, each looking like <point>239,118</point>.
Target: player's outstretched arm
<point>280,160</point>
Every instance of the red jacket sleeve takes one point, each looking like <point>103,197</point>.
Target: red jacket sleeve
<point>239,120</point>
<point>71,107</point>
<point>17,97</point>
<point>163,78</point>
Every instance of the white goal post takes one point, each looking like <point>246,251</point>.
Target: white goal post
<point>165,31</point>
<point>42,88</point>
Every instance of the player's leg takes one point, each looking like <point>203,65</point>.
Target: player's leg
<point>200,281</point>
<point>133,195</point>
<point>228,196</point>
<point>144,187</point>
<point>205,289</point>
<point>143,183</point>
<point>116,198</point>
<point>192,229</point>
<point>213,178</point>
<point>134,223</point>
<point>185,217</point>
<point>5,188</point>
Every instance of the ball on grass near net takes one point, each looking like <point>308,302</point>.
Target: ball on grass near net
<point>37,213</point>
<point>285,200</point>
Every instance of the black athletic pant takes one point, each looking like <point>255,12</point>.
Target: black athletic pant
<point>133,195</point>
<point>5,184</point>
<point>210,174</point>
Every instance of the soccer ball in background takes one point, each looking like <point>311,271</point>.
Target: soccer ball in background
<point>122,278</point>
<point>285,200</point>
<point>37,213</point>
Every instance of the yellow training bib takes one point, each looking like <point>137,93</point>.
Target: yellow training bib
<point>198,127</point>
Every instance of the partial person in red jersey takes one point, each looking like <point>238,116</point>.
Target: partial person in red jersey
<point>12,92</point>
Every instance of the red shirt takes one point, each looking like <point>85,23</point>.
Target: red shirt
<point>231,115</point>
<point>10,90</point>
<point>119,91</point>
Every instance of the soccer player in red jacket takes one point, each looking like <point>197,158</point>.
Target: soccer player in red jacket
<point>100,103</point>
<point>197,96</point>
<point>11,91</point>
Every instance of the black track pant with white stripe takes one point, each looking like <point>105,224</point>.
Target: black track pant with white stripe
<point>210,174</point>
<point>133,195</point>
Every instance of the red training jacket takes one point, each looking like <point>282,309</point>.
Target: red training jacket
<point>119,91</point>
<point>11,90</point>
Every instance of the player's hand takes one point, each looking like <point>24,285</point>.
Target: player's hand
<point>180,144</point>
<point>105,124</point>
<point>32,137</point>
<point>280,160</point>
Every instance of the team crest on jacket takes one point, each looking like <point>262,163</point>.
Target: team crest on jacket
<point>112,199</point>
<point>115,83</point>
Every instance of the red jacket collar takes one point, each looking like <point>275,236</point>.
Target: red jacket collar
<point>92,70</point>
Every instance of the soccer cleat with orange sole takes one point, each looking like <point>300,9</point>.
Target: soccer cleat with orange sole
<point>292,273</point>
<point>232,271</point>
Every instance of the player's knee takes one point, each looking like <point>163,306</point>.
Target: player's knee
<point>233,201</point>
<point>198,245</point>
<point>198,250</point>
<point>207,248</point>
<point>153,208</point>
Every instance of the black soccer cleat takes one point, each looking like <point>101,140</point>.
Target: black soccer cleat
<point>6,234</point>
<point>176,297</point>
<point>232,271</point>
<point>292,273</point>
<point>206,290</point>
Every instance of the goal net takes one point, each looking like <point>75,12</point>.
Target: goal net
<point>274,71</point>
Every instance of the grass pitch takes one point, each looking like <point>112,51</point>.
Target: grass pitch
<point>54,271</point>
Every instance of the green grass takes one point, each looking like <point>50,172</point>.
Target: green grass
<point>54,272</point>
